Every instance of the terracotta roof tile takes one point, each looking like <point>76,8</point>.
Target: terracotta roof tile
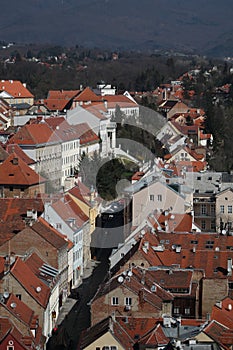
<point>14,171</point>
<point>14,148</point>
<point>34,134</point>
<point>70,212</point>
<point>15,88</point>
<point>49,233</point>
<point>87,95</point>
<point>20,310</point>
<point>32,284</point>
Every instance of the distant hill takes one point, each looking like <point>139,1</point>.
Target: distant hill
<point>202,26</point>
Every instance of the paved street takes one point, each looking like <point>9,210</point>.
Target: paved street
<point>78,318</point>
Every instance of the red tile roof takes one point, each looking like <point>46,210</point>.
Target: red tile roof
<point>155,337</point>
<point>20,310</point>
<point>14,148</point>
<point>87,95</point>
<point>86,134</point>
<point>35,263</point>
<point>206,251</point>
<point>68,210</point>
<point>223,314</point>
<point>62,94</point>
<point>14,171</point>
<point>50,234</point>
<point>221,334</point>
<point>15,88</point>
<point>34,134</point>
<point>138,175</point>
<point>13,212</point>
<point>171,222</point>
<point>32,284</point>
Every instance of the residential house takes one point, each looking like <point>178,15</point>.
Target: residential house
<point>16,95</point>
<point>17,278</point>
<point>69,219</point>
<point>13,337</point>
<point>99,121</point>
<point>224,212</point>
<point>41,144</point>
<point>106,335</point>
<point>24,318</point>
<point>60,100</point>
<point>17,179</point>
<point>14,148</point>
<point>58,254</point>
<point>6,113</point>
<point>18,213</point>
<point>88,200</point>
<point>70,145</point>
<point>128,295</point>
<point>50,276</point>
<point>170,107</point>
<point>51,247</point>
<point>149,194</point>
<point>145,333</point>
<point>125,102</point>
<point>208,254</point>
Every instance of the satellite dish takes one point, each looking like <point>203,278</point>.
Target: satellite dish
<point>13,305</point>
<point>130,273</point>
<point>120,279</point>
<point>224,232</point>
<point>6,295</point>
<point>38,289</point>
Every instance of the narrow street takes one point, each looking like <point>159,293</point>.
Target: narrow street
<point>78,319</point>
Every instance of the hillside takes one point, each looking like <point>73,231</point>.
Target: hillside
<point>203,25</point>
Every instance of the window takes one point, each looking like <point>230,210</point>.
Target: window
<point>187,311</point>
<point>199,178</point>
<point>194,242</point>
<point>159,198</point>
<point>18,296</point>
<point>10,347</point>
<point>229,225</point>
<point>203,224</point>
<point>115,301</point>
<point>222,209</point>
<point>229,209</point>
<point>212,225</point>
<point>203,209</point>
<point>128,301</point>
<point>176,310</point>
<point>152,197</point>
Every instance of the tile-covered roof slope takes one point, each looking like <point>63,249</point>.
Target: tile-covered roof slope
<point>58,100</point>
<point>49,233</point>
<point>68,210</point>
<point>14,171</point>
<point>95,332</point>
<point>43,271</point>
<point>221,334</point>
<point>137,282</point>
<point>14,148</point>
<point>208,252</point>
<point>32,284</point>
<point>21,310</point>
<point>34,134</point>
<point>67,132</point>
<point>13,212</point>
<point>87,95</point>
<point>15,88</point>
